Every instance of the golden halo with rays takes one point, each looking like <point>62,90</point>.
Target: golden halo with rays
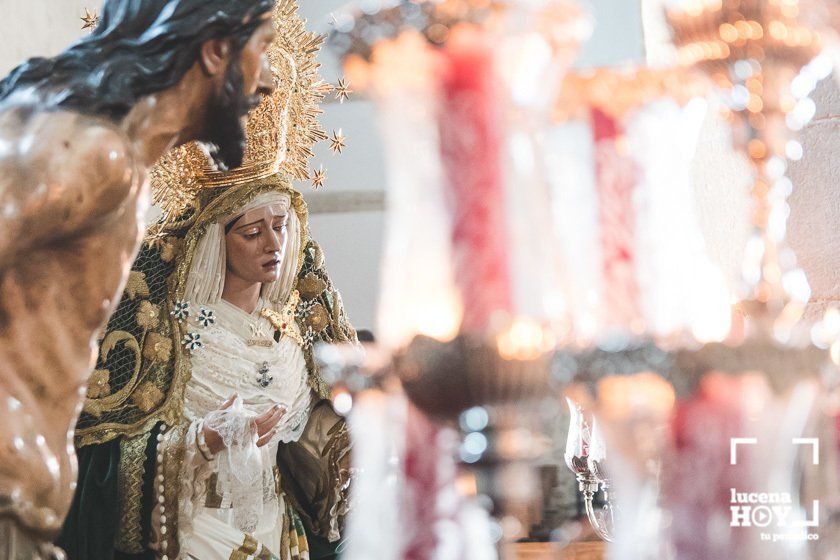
<point>281,130</point>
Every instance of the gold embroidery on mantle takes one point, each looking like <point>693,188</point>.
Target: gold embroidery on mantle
<point>148,315</point>
<point>98,385</point>
<point>158,348</point>
<point>310,286</point>
<point>130,489</point>
<point>136,285</point>
<point>96,406</point>
<point>147,397</point>
<point>317,318</point>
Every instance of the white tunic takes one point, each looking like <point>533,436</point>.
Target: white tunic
<point>230,362</point>
<point>239,355</point>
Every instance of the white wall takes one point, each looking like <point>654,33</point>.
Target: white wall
<point>38,28</point>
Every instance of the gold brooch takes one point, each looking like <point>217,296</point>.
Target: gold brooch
<point>284,320</point>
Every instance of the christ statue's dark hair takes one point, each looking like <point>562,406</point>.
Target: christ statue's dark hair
<point>139,47</point>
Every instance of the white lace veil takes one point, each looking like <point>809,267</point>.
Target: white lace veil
<point>206,278</point>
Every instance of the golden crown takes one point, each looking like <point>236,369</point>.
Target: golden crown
<point>280,131</point>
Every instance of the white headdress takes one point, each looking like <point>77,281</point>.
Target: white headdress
<point>206,277</point>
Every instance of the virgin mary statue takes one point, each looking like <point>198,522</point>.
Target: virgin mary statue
<point>206,431</point>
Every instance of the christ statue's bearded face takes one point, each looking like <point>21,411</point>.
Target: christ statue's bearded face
<point>248,77</point>
<point>255,244</point>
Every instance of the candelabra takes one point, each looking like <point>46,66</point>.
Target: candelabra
<point>585,455</point>
<point>763,54</point>
<point>669,418</point>
<point>666,409</point>
<point>478,382</point>
<point>463,91</point>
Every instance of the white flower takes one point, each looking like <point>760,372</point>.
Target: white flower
<point>304,308</point>
<point>206,317</point>
<point>192,342</point>
<point>181,310</point>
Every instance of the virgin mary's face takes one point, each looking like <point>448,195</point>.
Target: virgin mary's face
<point>256,244</point>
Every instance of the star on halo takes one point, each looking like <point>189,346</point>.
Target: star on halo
<point>318,178</point>
<point>90,19</point>
<point>337,141</point>
<point>342,90</point>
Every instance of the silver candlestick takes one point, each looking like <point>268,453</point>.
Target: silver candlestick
<point>585,453</point>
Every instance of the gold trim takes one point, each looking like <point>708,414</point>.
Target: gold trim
<point>95,407</point>
<point>285,540</point>
<point>246,550</point>
<point>239,176</point>
<point>130,488</point>
<point>173,447</point>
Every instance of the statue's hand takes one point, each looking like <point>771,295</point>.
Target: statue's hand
<point>265,425</point>
<point>211,437</point>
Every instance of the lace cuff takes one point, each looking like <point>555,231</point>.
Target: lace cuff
<point>201,442</point>
<point>245,471</point>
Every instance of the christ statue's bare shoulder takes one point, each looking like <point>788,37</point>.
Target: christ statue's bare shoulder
<point>59,172</point>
